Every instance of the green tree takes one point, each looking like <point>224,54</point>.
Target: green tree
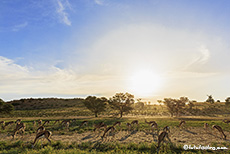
<point>170,104</point>
<point>5,108</point>
<point>122,102</point>
<point>227,101</point>
<point>139,104</point>
<point>181,105</point>
<point>191,105</point>
<point>210,99</point>
<point>175,106</point>
<point>95,105</point>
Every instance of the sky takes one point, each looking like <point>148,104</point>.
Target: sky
<point>153,49</point>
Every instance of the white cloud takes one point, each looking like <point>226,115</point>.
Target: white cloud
<point>19,26</point>
<point>61,11</point>
<point>24,81</point>
<point>130,47</point>
<point>205,54</point>
<point>99,2</point>
<point>108,62</point>
<point>8,68</point>
<point>202,56</point>
<point>177,55</point>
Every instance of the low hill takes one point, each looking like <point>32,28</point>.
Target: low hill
<point>46,103</point>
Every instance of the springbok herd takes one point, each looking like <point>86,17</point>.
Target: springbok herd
<point>41,132</point>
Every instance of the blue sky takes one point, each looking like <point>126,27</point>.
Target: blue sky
<point>75,48</point>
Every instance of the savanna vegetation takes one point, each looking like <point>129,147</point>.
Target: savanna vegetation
<point>122,107</point>
<point>118,105</point>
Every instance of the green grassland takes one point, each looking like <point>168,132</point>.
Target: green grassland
<point>16,146</point>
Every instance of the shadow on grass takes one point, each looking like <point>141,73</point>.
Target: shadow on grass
<point>127,136</point>
<point>87,137</point>
<point>188,131</point>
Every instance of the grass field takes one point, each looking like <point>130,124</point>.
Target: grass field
<point>141,140</point>
<point>84,140</point>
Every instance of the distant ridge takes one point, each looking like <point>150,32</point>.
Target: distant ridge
<point>45,103</point>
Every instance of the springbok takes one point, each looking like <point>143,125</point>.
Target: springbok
<point>19,127</point>
<point>42,134</point>
<point>182,124</point>
<point>161,138</point>
<point>108,131</point>
<point>220,130</point>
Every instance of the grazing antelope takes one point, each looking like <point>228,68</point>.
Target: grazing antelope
<point>40,122</point>
<point>43,134</point>
<point>135,122</point>
<point>117,123</point>
<point>128,126</point>
<point>154,126</point>
<point>19,127</point>
<point>66,124</point>
<point>65,121</point>
<point>102,125</point>
<point>46,122</point>
<point>226,121</point>
<point>206,126</point>
<point>84,123</point>
<point>166,129</point>
<point>182,123</point>
<point>56,121</point>
<point>18,121</point>
<point>34,123</point>
<point>161,138</point>
<point>220,130</point>
<point>7,124</point>
<point>74,120</point>
<point>41,128</point>
<point>3,124</point>
<point>99,126</point>
<point>150,122</point>
<point>108,131</point>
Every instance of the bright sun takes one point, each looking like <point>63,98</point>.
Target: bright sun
<point>144,83</point>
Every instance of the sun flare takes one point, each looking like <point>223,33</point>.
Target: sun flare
<point>145,83</point>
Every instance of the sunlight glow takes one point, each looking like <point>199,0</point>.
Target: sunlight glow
<point>145,83</point>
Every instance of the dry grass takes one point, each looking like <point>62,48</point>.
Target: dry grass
<point>190,136</point>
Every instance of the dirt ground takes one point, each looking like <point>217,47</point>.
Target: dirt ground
<point>189,136</point>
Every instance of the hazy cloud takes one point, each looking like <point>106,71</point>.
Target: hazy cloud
<point>99,2</point>
<point>19,26</point>
<point>205,54</point>
<point>202,57</point>
<point>14,28</point>
<point>22,80</point>
<point>61,11</point>
<point>147,45</point>
<point>110,60</point>
<point>9,68</point>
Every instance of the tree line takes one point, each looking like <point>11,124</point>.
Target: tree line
<point>124,103</point>
<point>121,102</point>
<point>5,108</point>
